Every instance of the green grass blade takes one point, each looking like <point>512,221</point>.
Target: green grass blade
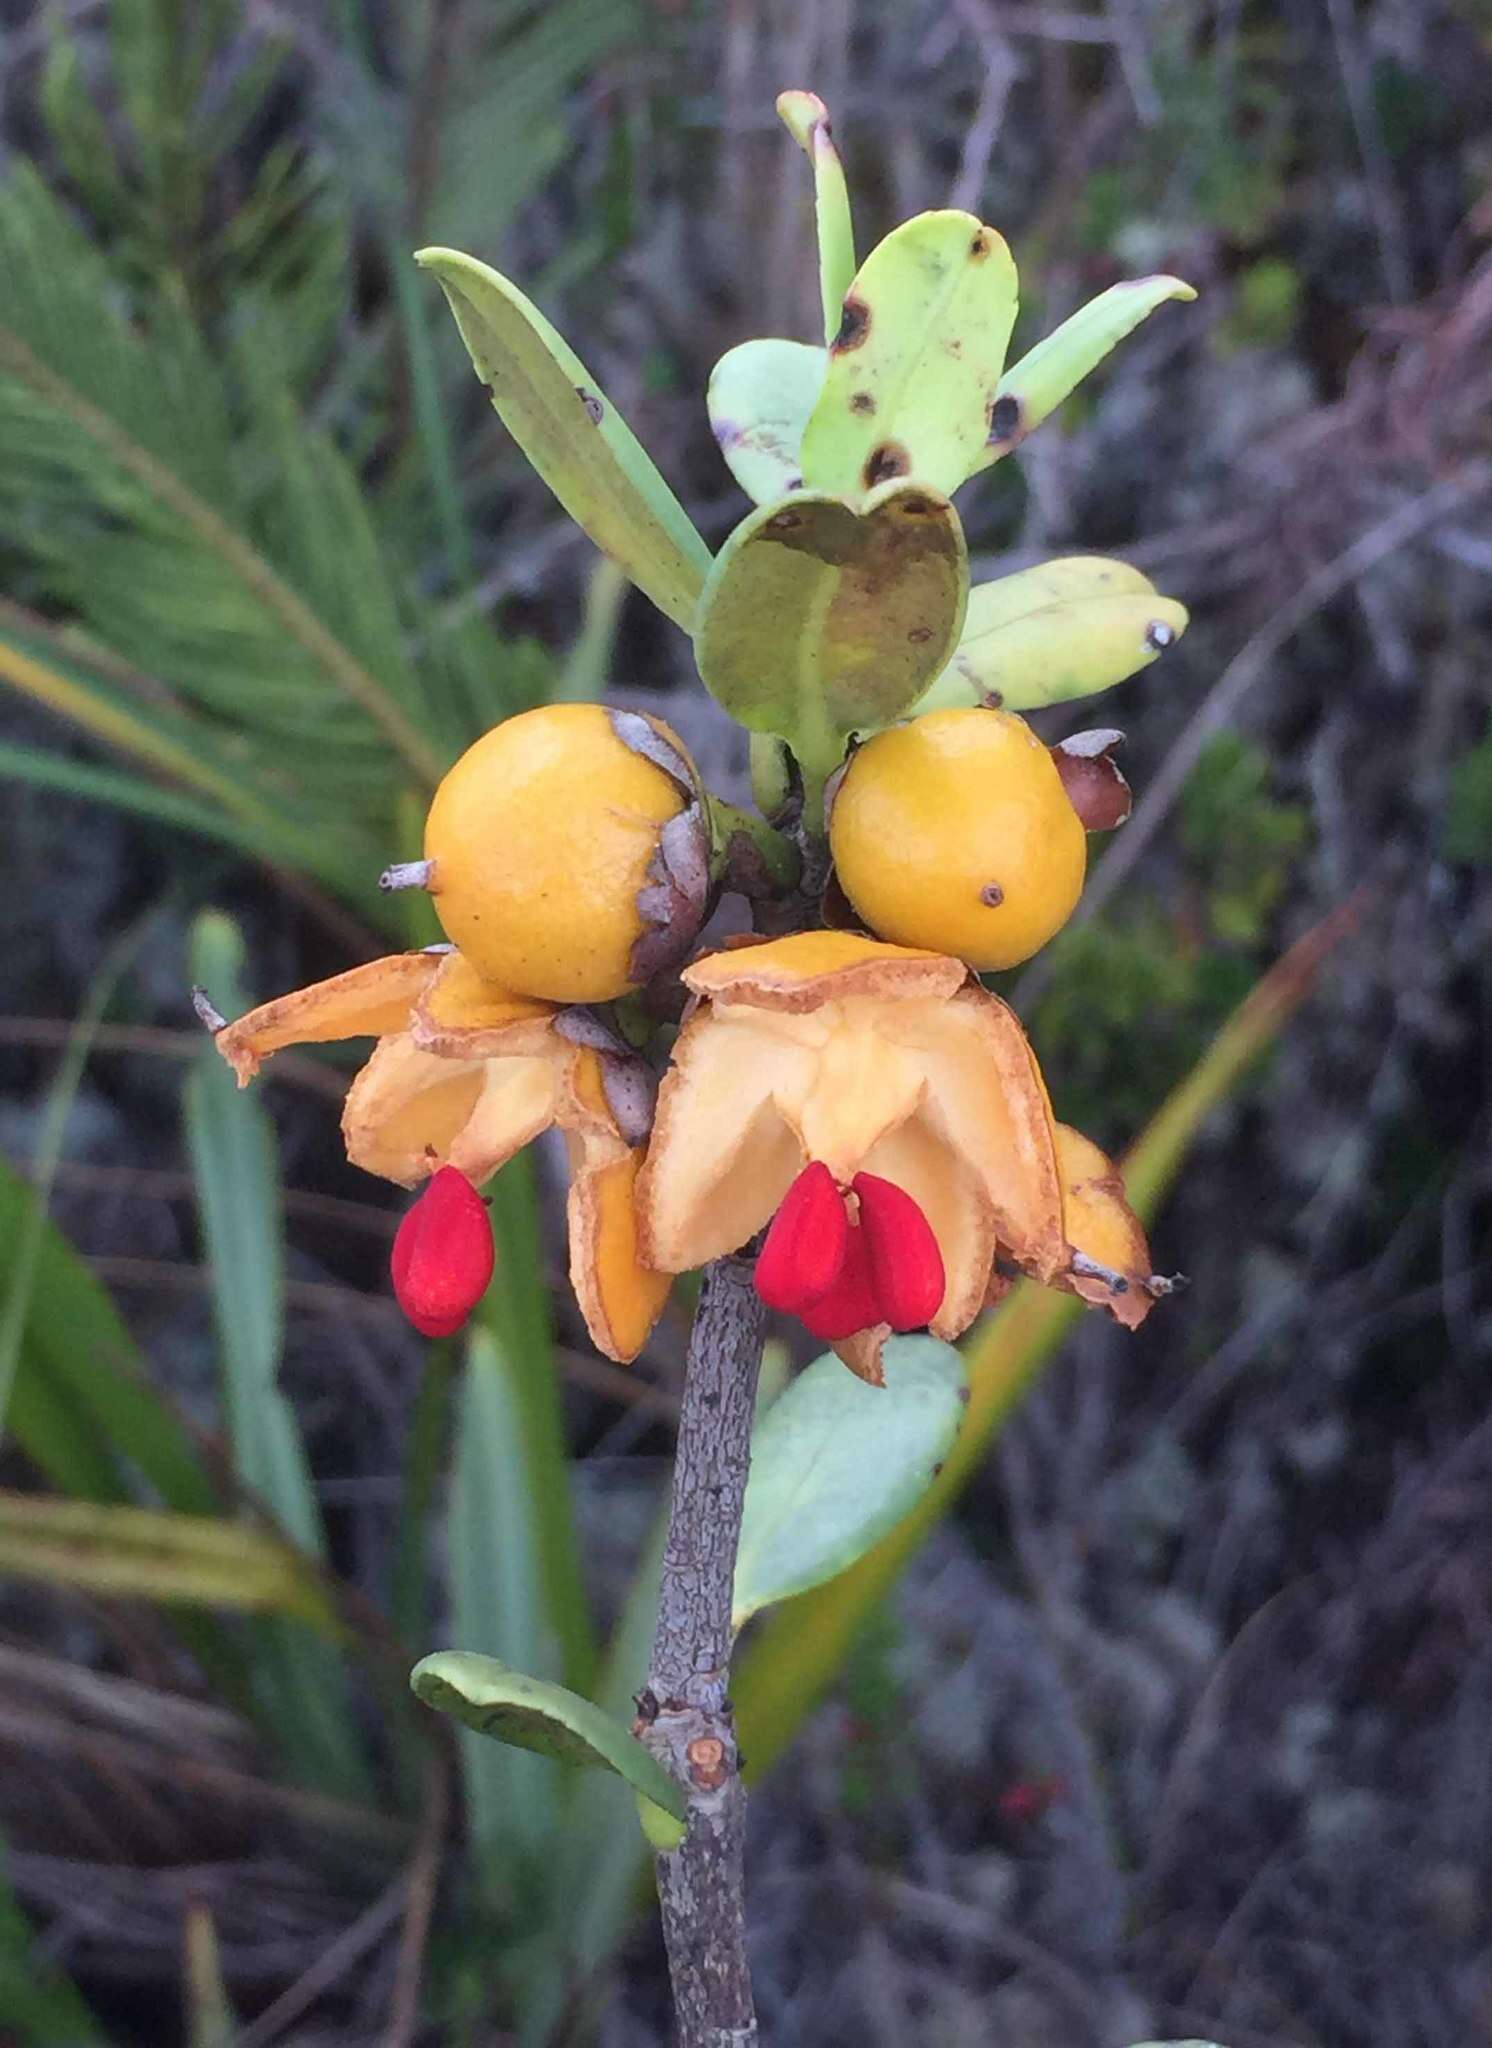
<point>210,2018</point>
<point>599,1853</point>
<point>301,1681</point>
<point>424,1461</point>
<point>146,1554</point>
<point>17,1308</point>
<point>517,1313</point>
<point>498,1608</point>
<point>81,1408</point>
<point>40,2006</point>
<point>232,1150</point>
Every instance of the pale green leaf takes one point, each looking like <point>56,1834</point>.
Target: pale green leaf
<point>916,360</point>
<point>807,121</point>
<point>531,1713</point>
<point>1059,581</point>
<point>819,621</point>
<point>1048,373</point>
<point>836,1463</point>
<point>1067,629</point>
<point>759,400</point>
<point>573,435</point>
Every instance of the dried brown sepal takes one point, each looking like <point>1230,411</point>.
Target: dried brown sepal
<point>674,897</point>
<point>1095,787</point>
<point>649,737</point>
<point>862,1354</point>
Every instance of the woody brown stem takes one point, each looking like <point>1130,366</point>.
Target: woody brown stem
<point>686,1717</point>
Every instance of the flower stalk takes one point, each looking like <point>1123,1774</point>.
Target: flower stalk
<point>684,1713</point>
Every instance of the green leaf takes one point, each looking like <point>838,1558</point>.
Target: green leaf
<point>141,1553</point>
<point>573,435</point>
<point>807,120</point>
<point>759,400</point>
<point>819,621</point>
<point>1038,383</point>
<point>1067,629</point>
<point>531,1713</point>
<point>836,1463</point>
<point>915,362</point>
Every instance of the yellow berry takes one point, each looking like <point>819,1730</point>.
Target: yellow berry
<point>541,836</point>
<point>954,832</point>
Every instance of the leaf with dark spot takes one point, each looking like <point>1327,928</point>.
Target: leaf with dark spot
<point>923,340</point>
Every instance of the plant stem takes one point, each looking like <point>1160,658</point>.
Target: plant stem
<point>686,1712</point>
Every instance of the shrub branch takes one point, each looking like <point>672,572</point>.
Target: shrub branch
<point>685,1711</point>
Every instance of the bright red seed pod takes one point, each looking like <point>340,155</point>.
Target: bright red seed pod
<point>442,1256</point>
<point>851,1303</point>
<point>805,1244</point>
<point>905,1262</point>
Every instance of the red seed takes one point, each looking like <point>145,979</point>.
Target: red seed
<point>851,1304</point>
<point>442,1256</point>
<point>805,1245</point>
<point>905,1262</point>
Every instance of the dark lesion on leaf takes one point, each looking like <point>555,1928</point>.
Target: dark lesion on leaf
<point>1004,419</point>
<point>862,402</point>
<point>981,245</point>
<point>594,407</point>
<point>883,463</point>
<point>854,325</point>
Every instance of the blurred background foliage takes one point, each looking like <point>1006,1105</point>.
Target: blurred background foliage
<point>1176,1722</point>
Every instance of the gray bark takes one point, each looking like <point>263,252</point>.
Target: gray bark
<point>685,1712</point>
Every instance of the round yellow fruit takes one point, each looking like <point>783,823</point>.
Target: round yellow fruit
<point>541,835</point>
<point>954,832</point>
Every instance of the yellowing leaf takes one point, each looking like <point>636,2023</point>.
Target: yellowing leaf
<point>913,368</point>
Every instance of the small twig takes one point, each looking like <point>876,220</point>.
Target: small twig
<point>685,1712</point>
<point>423,1880</point>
